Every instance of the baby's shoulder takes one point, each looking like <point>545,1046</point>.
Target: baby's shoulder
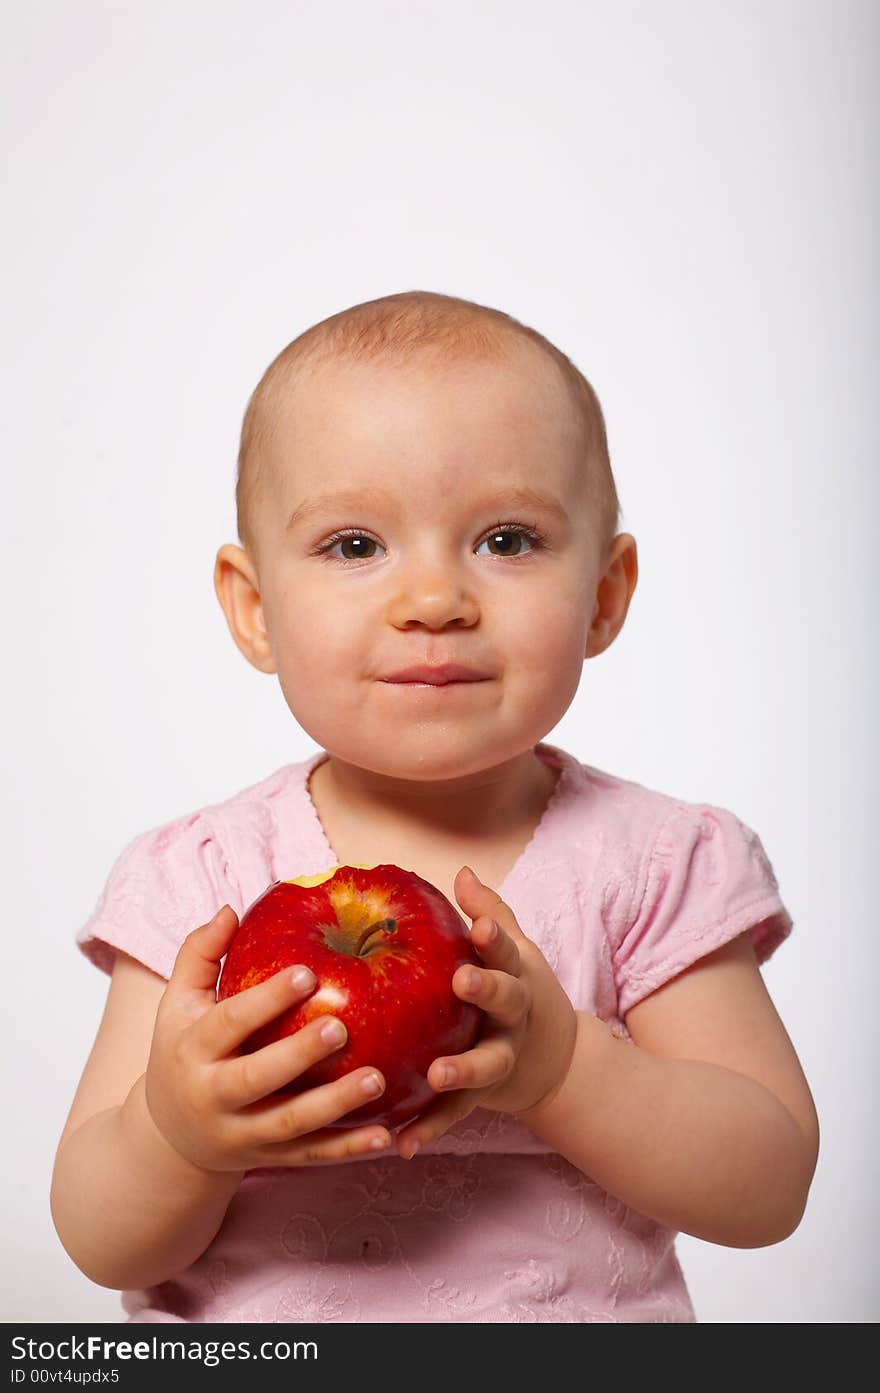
<point>247,824</point>
<point>620,805</point>
<point>259,806</point>
<point>634,825</point>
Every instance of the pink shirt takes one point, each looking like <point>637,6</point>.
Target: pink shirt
<point>621,887</point>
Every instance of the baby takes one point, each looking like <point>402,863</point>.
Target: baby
<point>430,551</point>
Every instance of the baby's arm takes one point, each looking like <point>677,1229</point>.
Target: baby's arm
<point>126,1206</point>
<point>703,1120</point>
<point>135,1200</point>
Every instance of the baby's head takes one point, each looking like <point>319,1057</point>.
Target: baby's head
<point>424,333</point>
<point>465,458</point>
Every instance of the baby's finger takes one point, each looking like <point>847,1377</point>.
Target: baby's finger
<point>487,1064</point>
<point>248,1077</point>
<point>495,946</point>
<point>197,964</point>
<point>284,1121</point>
<point>506,999</point>
<point>435,1121</point>
<point>477,899</point>
<point>328,1147</point>
<point>220,1031</point>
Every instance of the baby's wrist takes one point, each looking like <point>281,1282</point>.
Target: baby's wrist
<point>587,1051</point>
<point>144,1134</point>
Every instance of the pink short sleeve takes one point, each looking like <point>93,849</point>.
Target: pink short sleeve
<point>707,879</point>
<point>164,884</point>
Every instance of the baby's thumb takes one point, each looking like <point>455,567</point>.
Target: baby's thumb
<point>198,960</point>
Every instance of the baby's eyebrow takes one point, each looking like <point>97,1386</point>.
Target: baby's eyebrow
<point>502,499</point>
<point>343,498</point>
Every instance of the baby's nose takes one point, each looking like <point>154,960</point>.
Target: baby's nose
<point>435,595</point>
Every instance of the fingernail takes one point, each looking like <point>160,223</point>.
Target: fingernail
<point>380,1144</point>
<point>371,1085</point>
<point>447,1075</point>
<point>494,931</point>
<point>471,979</point>
<point>302,979</point>
<point>333,1032</point>
<point>415,1147</point>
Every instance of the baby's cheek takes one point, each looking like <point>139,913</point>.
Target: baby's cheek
<point>330,688</point>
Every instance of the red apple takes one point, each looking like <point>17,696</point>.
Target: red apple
<point>383,944</point>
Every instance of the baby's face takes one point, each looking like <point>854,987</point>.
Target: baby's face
<point>439,478</point>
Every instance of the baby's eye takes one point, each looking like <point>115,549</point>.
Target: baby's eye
<point>357,544</point>
<point>510,538</point>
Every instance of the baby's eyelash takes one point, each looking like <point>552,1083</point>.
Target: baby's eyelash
<point>522,528</point>
<point>337,537</point>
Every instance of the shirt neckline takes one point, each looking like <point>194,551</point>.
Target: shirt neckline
<point>325,857</point>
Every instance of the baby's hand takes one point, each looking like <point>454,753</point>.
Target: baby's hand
<point>209,1100</point>
<point>528,1037</point>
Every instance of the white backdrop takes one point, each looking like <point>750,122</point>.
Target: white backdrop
<point>683,197</point>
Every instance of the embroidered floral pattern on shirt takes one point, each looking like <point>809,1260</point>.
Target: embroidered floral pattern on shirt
<point>450,1186</point>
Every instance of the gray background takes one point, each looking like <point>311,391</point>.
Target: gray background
<point>683,197</point>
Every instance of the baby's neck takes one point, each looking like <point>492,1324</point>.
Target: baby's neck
<point>492,803</point>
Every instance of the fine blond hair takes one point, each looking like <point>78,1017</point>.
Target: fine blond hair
<point>397,329</point>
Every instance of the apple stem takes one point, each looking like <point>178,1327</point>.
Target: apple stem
<point>382,926</point>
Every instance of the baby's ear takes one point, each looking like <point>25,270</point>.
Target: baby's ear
<point>613,595</point>
<point>236,586</point>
